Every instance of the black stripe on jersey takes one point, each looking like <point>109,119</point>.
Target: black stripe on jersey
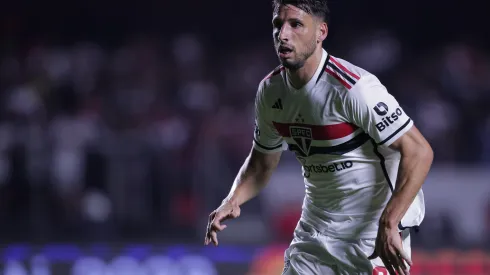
<point>401,227</point>
<point>323,69</point>
<point>342,73</point>
<point>382,162</point>
<point>396,132</point>
<point>416,228</point>
<point>340,149</point>
<point>266,147</point>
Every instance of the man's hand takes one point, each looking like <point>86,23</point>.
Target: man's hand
<point>390,249</point>
<point>226,211</point>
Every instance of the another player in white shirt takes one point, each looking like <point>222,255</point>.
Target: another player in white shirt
<point>363,160</point>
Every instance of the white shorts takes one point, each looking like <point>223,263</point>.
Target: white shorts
<point>312,253</point>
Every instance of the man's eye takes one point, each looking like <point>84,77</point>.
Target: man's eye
<point>296,24</point>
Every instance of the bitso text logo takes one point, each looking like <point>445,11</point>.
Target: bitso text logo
<point>387,121</point>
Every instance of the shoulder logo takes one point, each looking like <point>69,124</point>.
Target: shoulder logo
<point>381,108</point>
<point>277,104</point>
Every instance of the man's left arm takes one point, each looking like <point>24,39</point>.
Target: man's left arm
<point>416,160</point>
<point>369,105</point>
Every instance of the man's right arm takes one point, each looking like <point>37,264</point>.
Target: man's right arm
<point>264,156</point>
<point>251,179</point>
<point>255,172</point>
<point>253,176</point>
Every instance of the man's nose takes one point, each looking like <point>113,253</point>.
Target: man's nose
<point>284,33</point>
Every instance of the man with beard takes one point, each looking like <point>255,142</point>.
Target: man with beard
<point>363,160</point>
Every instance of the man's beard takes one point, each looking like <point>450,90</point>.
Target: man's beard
<point>300,59</point>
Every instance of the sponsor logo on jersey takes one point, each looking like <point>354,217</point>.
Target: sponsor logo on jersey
<point>381,108</point>
<point>387,121</point>
<point>277,104</point>
<point>324,169</point>
<point>302,136</point>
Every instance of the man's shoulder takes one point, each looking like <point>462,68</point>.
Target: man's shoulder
<point>273,81</point>
<point>347,76</point>
<point>273,76</point>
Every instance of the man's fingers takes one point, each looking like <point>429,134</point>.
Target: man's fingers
<point>403,265</point>
<point>394,260</point>
<point>400,266</point>
<point>405,257</point>
<point>212,234</point>
<point>216,225</point>
<point>397,261</point>
<point>214,237</point>
<point>215,220</point>
<point>219,218</point>
<point>387,264</point>
<point>231,215</point>
<point>398,246</point>
<point>207,238</point>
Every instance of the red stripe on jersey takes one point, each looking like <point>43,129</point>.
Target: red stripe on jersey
<point>338,77</point>
<point>342,67</point>
<point>318,132</point>
<point>275,72</point>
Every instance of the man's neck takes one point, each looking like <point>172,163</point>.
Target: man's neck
<point>303,75</point>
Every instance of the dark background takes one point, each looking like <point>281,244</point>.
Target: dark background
<point>125,122</point>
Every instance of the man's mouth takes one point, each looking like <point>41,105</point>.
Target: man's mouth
<point>284,51</point>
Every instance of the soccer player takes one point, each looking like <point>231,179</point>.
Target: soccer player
<point>363,160</point>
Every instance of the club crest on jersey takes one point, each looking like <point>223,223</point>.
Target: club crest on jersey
<point>302,136</point>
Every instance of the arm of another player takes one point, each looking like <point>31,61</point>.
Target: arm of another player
<point>370,106</point>
<point>254,173</point>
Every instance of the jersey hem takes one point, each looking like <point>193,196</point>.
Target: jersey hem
<point>352,235</point>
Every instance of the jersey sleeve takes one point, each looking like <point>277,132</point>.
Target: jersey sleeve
<point>370,106</point>
<point>266,138</point>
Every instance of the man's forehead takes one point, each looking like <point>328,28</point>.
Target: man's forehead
<point>289,10</point>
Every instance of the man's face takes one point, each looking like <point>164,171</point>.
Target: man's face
<point>295,35</point>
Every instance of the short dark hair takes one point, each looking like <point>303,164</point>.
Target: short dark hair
<point>317,8</point>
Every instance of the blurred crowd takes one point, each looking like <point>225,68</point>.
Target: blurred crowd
<point>144,138</point>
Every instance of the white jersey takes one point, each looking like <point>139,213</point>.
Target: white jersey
<point>339,125</point>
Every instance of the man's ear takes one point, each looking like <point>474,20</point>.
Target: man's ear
<point>322,32</point>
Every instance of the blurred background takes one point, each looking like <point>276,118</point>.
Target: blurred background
<point>123,124</point>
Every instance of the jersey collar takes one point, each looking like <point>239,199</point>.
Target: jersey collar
<point>316,77</point>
